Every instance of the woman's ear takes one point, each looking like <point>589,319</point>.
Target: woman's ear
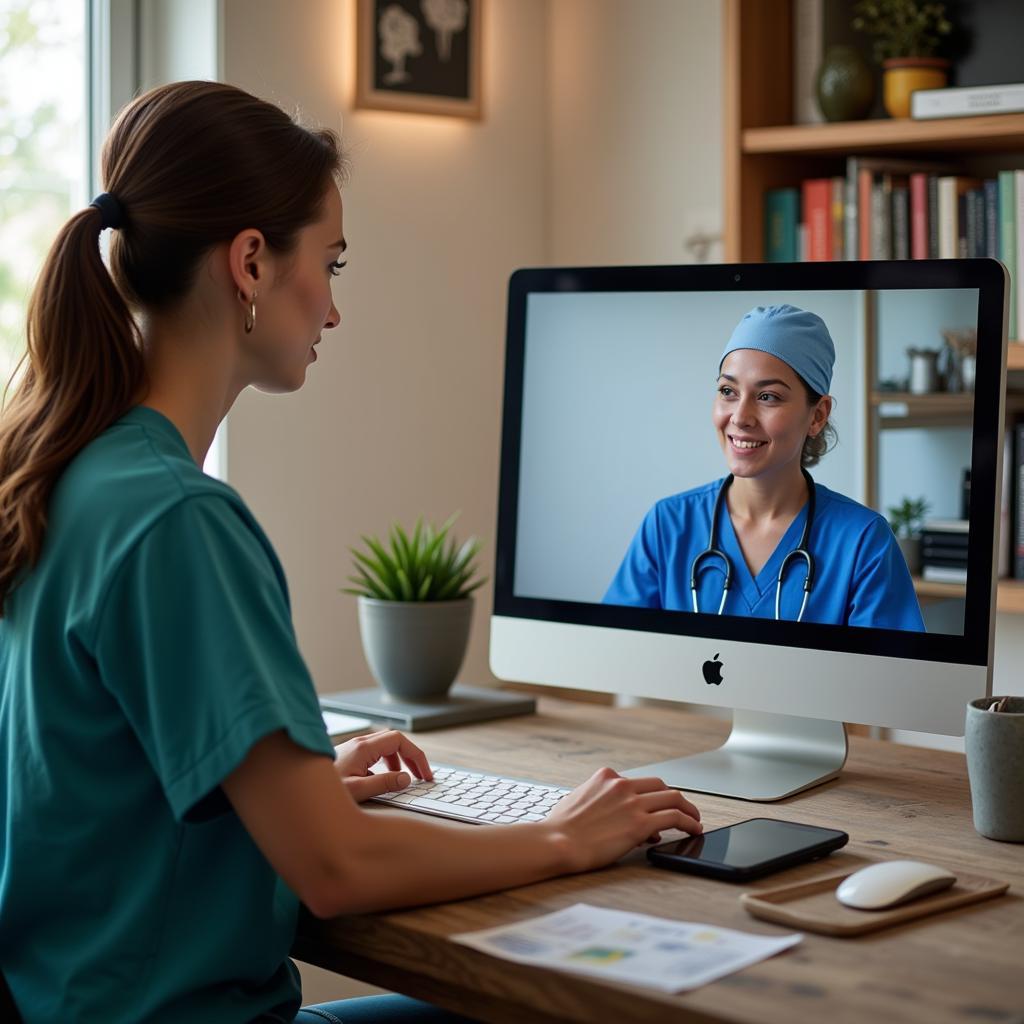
<point>248,259</point>
<point>819,418</point>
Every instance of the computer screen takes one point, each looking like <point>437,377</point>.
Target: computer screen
<point>627,559</point>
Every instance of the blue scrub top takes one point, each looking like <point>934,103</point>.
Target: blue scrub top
<point>140,660</point>
<point>861,578</point>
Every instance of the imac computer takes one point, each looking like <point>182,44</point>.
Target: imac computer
<point>629,447</point>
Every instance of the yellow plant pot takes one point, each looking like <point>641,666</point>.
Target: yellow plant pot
<point>904,75</point>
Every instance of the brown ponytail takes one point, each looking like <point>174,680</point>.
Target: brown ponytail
<point>191,164</point>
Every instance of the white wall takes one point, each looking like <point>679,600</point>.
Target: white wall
<point>635,129</point>
<point>400,415</point>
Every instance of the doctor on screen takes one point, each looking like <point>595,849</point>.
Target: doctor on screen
<point>766,540</point>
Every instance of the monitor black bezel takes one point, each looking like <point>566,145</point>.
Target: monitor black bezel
<point>985,275</point>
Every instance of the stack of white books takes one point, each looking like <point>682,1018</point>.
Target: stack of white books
<point>969,101</point>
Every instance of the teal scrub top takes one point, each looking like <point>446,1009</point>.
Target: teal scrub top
<point>140,660</point>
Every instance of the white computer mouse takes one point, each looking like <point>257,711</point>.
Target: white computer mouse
<point>880,886</point>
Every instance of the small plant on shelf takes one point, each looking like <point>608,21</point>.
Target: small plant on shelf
<point>903,28</point>
<point>907,518</point>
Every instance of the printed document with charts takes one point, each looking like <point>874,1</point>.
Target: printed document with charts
<point>633,948</point>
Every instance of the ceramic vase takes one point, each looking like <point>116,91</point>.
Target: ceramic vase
<point>845,85</point>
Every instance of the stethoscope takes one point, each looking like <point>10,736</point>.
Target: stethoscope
<point>799,552</point>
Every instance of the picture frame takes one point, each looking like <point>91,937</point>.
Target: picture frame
<point>419,56</point>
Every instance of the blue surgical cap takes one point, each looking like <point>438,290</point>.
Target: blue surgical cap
<point>800,339</point>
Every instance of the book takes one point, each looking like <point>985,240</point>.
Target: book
<point>991,218</point>
<point>1008,239</point>
<point>781,217</point>
<point>838,217</point>
<point>933,216</point>
<point>1018,281</point>
<point>341,727</point>
<point>1005,564</point>
<point>817,216</point>
<point>881,218</point>
<point>952,214</point>
<point>943,574</point>
<point>919,216</point>
<point>948,217</point>
<point>1017,501</point>
<point>972,231</point>
<point>944,526</point>
<point>900,222</point>
<point>967,101</point>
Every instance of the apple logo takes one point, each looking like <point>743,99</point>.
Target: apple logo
<point>712,672</point>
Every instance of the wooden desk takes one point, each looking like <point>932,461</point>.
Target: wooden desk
<point>963,966</point>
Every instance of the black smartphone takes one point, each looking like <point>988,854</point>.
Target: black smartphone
<point>748,849</point>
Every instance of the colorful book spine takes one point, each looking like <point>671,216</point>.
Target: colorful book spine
<point>850,239</point>
<point>900,222</point>
<point>992,218</point>
<point>781,217</point>
<point>864,189</point>
<point>881,218</point>
<point>817,210</point>
<point>1018,281</point>
<point>1008,239</point>
<point>1018,501</point>
<point>919,216</point>
<point>838,218</point>
<point>933,216</point>
<point>948,217</point>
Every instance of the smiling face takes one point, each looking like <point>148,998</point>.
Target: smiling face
<point>762,414</point>
<point>297,306</point>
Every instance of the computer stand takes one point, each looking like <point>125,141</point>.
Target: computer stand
<point>766,757</point>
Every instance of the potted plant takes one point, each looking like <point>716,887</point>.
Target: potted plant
<point>415,607</point>
<point>909,35</point>
<point>906,520</point>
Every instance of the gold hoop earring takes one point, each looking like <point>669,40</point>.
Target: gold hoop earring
<point>250,315</point>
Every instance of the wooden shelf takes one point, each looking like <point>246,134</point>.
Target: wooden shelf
<point>1010,596</point>
<point>928,588</point>
<point>1009,593</point>
<point>899,409</point>
<point>992,133</point>
<point>1015,355</point>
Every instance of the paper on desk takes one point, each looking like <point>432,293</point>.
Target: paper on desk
<point>342,726</point>
<point>621,946</point>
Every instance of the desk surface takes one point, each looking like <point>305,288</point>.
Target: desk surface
<point>963,966</point>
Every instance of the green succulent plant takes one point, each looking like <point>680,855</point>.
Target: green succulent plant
<point>904,28</point>
<point>907,518</point>
<point>427,564</point>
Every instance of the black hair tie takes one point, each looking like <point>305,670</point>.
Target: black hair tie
<point>110,209</point>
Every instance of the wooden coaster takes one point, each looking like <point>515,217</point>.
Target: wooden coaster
<point>812,906</point>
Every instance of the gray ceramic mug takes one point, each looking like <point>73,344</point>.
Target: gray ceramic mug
<point>994,742</point>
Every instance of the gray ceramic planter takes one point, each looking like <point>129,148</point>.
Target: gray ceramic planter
<point>415,648</point>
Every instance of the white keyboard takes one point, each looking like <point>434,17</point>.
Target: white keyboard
<point>477,797</point>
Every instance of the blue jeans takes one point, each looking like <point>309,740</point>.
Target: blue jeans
<point>390,1009</point>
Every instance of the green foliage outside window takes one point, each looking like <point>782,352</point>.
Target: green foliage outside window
<point>42,147</point>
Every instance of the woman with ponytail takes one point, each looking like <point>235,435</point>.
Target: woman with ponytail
<point>169,793</point>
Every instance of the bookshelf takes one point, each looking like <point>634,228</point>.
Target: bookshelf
<point>764,150</point>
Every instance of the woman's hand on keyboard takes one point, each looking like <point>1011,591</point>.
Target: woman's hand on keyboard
<point>354,759</point>
<point>609,815</point>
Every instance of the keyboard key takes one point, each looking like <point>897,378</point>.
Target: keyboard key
<point>438,805</point>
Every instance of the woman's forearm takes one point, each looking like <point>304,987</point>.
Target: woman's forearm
<point>402,860</point>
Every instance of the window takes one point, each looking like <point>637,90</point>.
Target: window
<point>44,152</point>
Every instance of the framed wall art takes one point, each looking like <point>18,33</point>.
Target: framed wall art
<point>419,56</point>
